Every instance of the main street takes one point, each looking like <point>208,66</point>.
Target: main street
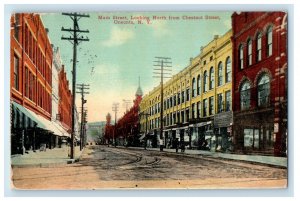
<point>109,167</point>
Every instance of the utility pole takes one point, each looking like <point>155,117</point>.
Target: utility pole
<point>164,71</point>
<point>84,126</point>
<point>82,90</point>
<point>126,104</point>
<point>75,39</point>
<point>115,109</point>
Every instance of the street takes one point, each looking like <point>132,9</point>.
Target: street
<point>108,167</point>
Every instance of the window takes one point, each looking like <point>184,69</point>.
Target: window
<point>16,26</point>
<point>26,81</point>
<point>30,85</point>
<point>241,57</point>
<point>199,109</point>
<point>249,52</point>
<point>204,107</point>
<point>228,70</point>
<point>210,58</point>
<point>204,62</point>
<point>258,49</point>
<point>178,96</point>
<point>16,72</point>
<point>193,87</point>
<point>220,102</point>
<point>269,41</point>
<point>264,90</point>
<point>178,117</point>
<point>211,105</point>
<point>182,116</point>
<point>211,78</point>
<point>205,81</point>
<point>187,115</point>
<point>174,99</point>
<point>220,74</point>
<point>174,117</point>
<point>245,96</point>
<point>182,96</point>
<point>171,101</point>
<point>198,85</point>
<point>194,114</point>
<point>228,100</point>
<point>187,94</point>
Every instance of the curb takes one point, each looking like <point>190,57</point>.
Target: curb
<point>47,165</point>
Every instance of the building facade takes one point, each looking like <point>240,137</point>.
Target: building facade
<point>260,82</point>
<point>65,101</point>
<point>197,101</point>
<point>31,83</point>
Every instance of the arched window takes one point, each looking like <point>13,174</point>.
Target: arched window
<point>245,95</point>
<point>205,81</point>
<point>228,70</point>
<point>263,90</point>
<point>194,87</point>
<point>241,57</point>
<point>220,74</point>
<point>269,41</point>
<point>249,44</point>
<point>198,85</point>
<point>211,78</point>
<point>258,47</point>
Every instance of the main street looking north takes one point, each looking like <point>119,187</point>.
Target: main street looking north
<point>119,167</point>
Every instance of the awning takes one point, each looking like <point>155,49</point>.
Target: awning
<point>41,121</point>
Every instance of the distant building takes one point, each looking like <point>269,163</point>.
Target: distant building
<point>260,82</point>
<point>128,126</point>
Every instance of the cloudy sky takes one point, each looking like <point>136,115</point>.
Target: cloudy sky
<point>117,54</point>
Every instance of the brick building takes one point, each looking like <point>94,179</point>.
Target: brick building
<point>65,101</point>
<point>260,82</point>
<point>31,77</point>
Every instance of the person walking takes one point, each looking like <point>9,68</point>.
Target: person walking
<point>176,145</point>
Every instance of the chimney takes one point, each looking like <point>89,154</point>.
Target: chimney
<point>47,30</point>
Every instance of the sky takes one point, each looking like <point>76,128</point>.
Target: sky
<point>119,53</point>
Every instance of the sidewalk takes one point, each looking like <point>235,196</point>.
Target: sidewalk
<point>50,157</point>
<point>269,160</point>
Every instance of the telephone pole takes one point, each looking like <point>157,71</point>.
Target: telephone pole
<point>82,90</point>
<point>75,39</point>
<point>115,109</point>
<point>162,69</point>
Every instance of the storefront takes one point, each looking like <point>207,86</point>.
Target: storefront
<point>30,131</point>
<point>254,132</point>
<point>222,130</point>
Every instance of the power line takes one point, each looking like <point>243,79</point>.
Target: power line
<point>75,38</point>
<point>82,90</point>
<point>165,72</point>
<point>115,109</point>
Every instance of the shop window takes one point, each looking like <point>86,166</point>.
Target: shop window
<point>263,91</point>
<point>245,96</point>
<point>251,138</point>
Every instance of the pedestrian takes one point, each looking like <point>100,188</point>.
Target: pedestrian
<point>176,145</point>
<point>182,146</point>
